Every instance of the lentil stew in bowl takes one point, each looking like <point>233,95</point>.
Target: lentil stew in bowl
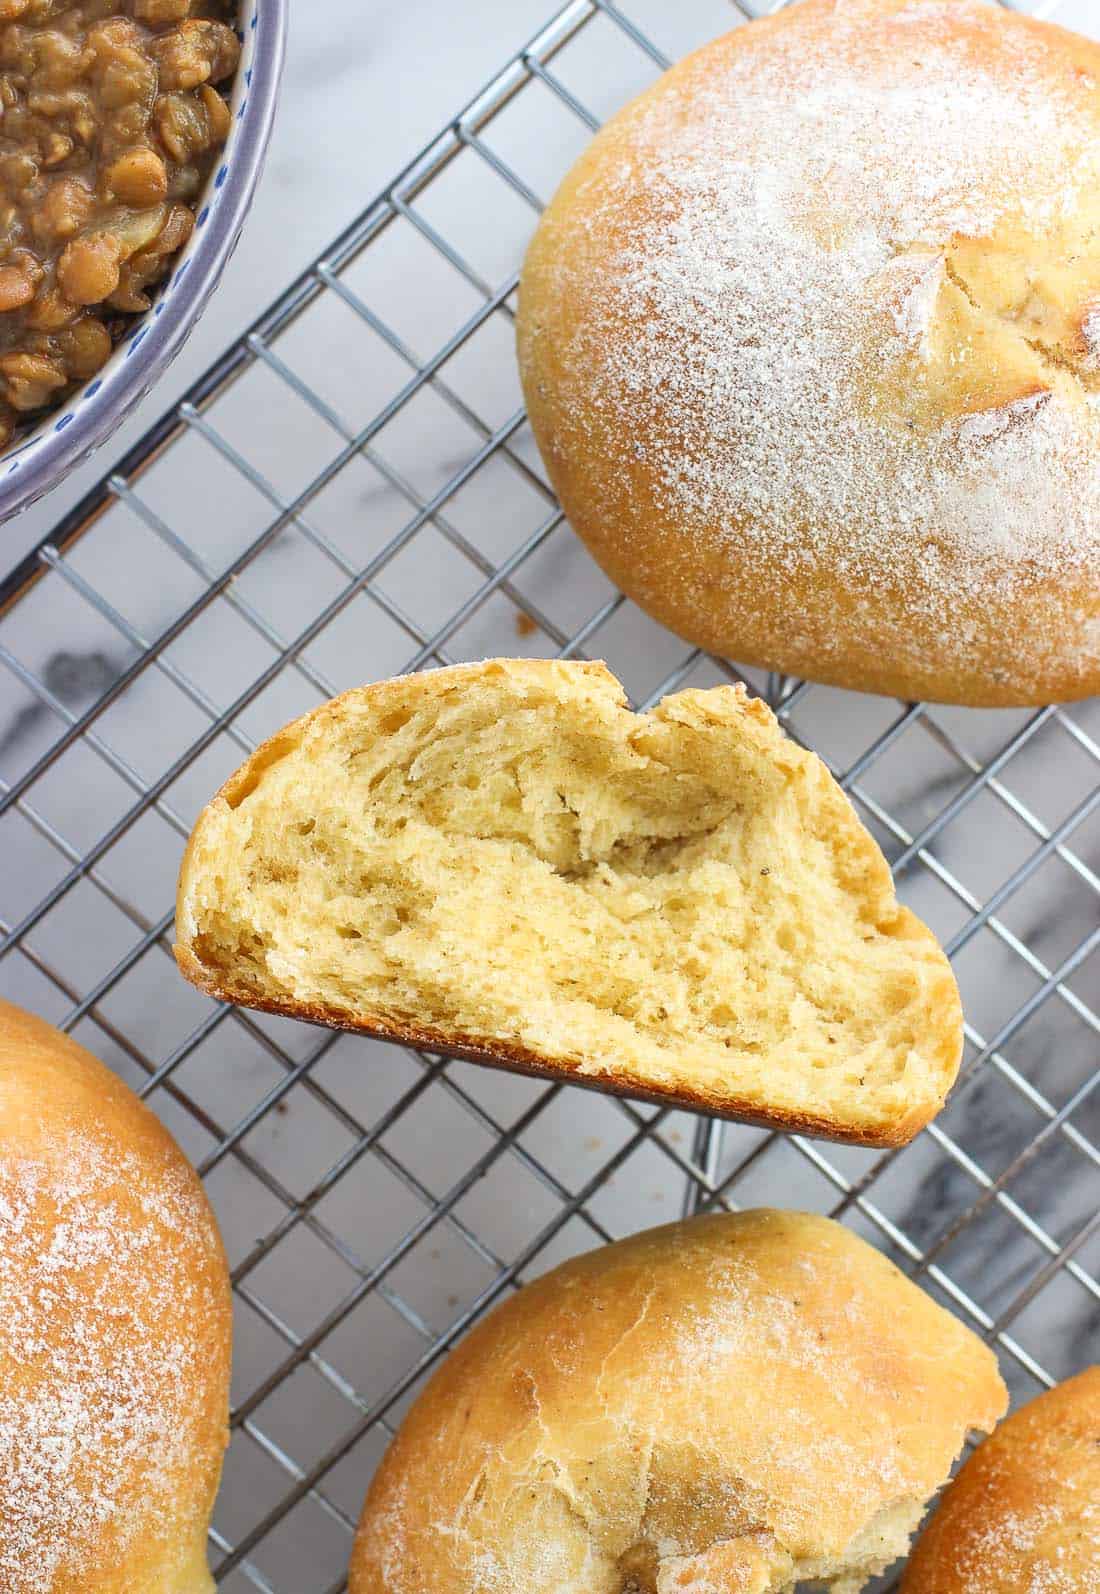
<point>111,122</point>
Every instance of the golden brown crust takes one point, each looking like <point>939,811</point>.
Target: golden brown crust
<point>520,1060</point>
<point>1023,1515</point>
<point>884,593</point>
<point>387,698</point>
<point>734,1395</point>
<point>115,1335</point>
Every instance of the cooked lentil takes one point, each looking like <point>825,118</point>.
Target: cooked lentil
<point>110,120</point>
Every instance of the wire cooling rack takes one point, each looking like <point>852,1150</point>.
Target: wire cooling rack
<point>350,492</point>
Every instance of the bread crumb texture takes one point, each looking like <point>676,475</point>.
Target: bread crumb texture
<point>810,338</point>
<point>502,858</point>
<point>114,1334</point>
<point>732,1405</point>
<point>1023,1516</point>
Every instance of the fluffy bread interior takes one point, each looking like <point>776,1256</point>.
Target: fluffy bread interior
<point>758,1564</point>
<point>506,858</point>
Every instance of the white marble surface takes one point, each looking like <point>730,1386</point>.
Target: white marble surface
<point>349,118</point>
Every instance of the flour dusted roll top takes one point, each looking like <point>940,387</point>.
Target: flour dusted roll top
<point>114,1333</point>
<point>731,1405</point>
<point>810,339</point>
<point>1023,1515</point>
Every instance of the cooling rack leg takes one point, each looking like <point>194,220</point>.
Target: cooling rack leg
<point>706,1154</point>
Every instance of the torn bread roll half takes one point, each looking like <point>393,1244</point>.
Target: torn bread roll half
<point>745,1403</point>
<point>1023,1515</point>
<point>501,861</point>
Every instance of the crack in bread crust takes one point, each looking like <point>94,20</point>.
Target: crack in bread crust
<point>756,442</point>
<point>729,1405</point>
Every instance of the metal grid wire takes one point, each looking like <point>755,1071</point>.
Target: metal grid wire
<point>390,513</point>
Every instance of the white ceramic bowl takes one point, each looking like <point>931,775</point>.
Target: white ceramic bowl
<point>39,459</point>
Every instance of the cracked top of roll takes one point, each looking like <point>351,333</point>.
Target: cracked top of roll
<point>736,1403</point>
<point>810,338</point>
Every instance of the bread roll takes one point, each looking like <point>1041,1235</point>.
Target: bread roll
<point>733,1404</point>
<point>1023,1515</point>
<point>810,340</point>
<point>501,861</point>
<point>114,1333</point>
